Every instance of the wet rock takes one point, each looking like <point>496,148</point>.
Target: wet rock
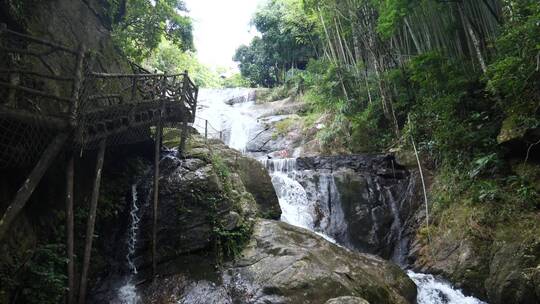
<point>254,177</point>
<point>212,187</point>
<point>287,264</point>
<point>250,96</point>
<point>231,221</point>
<point>347,300</point>
<point>362,201</point>
<point>498,264</point>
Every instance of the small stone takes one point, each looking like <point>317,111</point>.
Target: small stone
<point>347,300</point>
<point>231,221</point>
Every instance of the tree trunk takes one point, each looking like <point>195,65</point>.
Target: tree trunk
<point>70,168</point>
<point>91,221</point>
<point>157,150</point>
<point>474,38</point>
<point>31,183</point>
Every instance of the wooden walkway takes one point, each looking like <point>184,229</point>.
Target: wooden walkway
<point>52,100</point>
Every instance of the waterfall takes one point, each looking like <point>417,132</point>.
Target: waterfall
<point>398,255</point>
<point>296,207</point>
<point>322,205</point>
<point>127,294</point>
<point>315,205</point>
<point>133,230</point>
<point>229,115</point>
<point>435,291</point>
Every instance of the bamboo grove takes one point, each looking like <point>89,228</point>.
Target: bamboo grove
<point>361,57</point>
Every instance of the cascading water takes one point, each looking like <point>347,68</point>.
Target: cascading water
<point>317,208</point>
<point>295,206</point>
<point>228,121</point>
<point>434,291</point>
<point>127,294</point>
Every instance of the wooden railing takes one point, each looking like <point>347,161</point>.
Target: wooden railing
<point>51,85</point>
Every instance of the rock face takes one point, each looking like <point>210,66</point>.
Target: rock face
<point>499,263</point>
<point>286,264</point>
<point>203,192</point>
<point>205,210</point>
<point>362,201</point>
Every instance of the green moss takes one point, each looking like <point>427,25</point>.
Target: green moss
<point>171,137</point>
<point>283,127</point>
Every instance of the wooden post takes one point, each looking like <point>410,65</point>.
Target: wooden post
<point>31,183</point>
<point>77,84</point>
<point>91,221</point>
<point>205,129</point>
<point>157,150</point>
<point>133,88</point>
<point>70,168</point>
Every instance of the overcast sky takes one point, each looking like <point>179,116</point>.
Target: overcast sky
<point>220,26</point>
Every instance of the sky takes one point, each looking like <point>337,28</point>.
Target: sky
<point>220,27</point>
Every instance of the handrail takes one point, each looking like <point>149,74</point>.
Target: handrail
<point>119,75</point>
<point>77,94</point>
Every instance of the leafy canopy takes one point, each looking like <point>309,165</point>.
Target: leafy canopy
<point>139,25</point>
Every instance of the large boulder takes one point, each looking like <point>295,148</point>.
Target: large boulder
<point>362,201</point>
<point>203,198</point>
<point>287,264</point>
<point>347,300</point>
<point>253,176</point>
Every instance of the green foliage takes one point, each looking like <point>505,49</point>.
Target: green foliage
<point>447,120</point>
<point>255,65</point>
<point>232,242</point>
<point>169,58</point>
<point>283,127</point>
<point>222,170</point>
<point>515,68</point>
<point>45,281</point>
<point>140,25</point>
<point>391,13</point>
<point>287,41</point>
<point>236,81</point>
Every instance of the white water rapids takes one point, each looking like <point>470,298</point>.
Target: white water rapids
<point>238,120</point>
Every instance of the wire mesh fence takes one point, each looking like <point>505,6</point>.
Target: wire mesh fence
<point>47,88</point>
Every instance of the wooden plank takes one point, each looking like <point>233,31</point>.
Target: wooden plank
<point>77,85</point>
<point>26,190</point>
<point>70,172</point>
<point>91,221</point>
<point>119,75</point>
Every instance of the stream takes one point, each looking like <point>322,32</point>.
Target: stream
<point>234,115</point>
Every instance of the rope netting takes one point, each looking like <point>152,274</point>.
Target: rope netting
<point>47,88</point>
<point>205,128</point>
